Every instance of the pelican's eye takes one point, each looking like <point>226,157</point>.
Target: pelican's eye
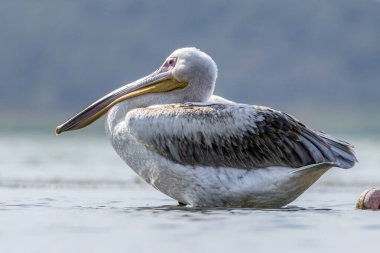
<point>168,65</point>
<point>172,61</point>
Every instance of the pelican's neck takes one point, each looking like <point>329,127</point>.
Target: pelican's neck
<point>117,113</point>
<point>195,92</point>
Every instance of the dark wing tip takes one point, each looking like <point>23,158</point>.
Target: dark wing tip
<point>342,150</point>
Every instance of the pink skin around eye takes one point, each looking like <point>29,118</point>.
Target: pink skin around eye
<point>168,65</point>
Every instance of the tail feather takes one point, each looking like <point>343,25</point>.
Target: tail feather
<point>343,151</point>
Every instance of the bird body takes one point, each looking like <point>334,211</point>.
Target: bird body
<point>204,150</point>
<point>212,155</point>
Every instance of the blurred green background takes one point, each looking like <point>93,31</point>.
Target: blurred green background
<point>318,60</point>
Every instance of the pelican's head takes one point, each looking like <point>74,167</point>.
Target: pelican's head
<point>196,68</point>
<point>187,75</point>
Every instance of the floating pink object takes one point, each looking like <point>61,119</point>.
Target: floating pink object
<point>369,199</point>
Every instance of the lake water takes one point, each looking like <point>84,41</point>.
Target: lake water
<point>72,193</point>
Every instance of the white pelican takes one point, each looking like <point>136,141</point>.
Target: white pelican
<point>206,151</point>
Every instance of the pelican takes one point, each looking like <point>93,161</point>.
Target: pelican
<point>206,151</point>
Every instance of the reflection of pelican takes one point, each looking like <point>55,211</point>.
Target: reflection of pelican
<point>204,150</point>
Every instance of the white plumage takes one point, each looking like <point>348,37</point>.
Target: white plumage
<point>204,150</point>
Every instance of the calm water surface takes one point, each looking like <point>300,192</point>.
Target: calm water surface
<point>74,194</point>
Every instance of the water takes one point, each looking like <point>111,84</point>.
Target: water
<point>73,194</point>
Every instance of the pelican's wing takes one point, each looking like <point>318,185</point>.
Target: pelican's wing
<point>234,135</point>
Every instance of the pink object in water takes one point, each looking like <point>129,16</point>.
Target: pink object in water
<point>369,199</point>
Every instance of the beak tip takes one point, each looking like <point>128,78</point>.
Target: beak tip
<point>58,130</point>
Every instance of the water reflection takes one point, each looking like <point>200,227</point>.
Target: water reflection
<point>168,208</point>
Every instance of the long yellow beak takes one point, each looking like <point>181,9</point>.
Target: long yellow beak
<point>155,82</point>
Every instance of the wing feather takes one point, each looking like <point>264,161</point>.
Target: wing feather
<point>234,135</point>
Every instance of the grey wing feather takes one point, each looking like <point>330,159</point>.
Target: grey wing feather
<point>234,135</point>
